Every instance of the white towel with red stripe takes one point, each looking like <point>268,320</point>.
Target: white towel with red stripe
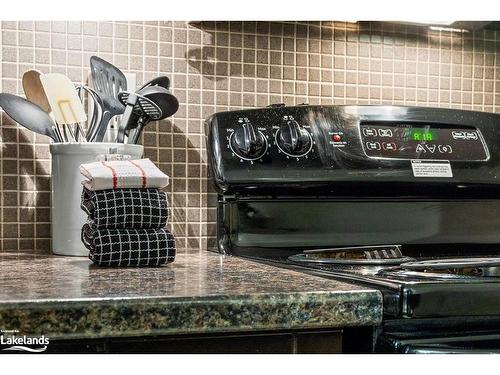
<point>118,174</point>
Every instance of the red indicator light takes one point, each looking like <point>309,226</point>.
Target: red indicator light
<point>336,138</point>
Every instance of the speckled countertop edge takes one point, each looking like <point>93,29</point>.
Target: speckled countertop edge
<point>204,293</point>
<point>162,316</point>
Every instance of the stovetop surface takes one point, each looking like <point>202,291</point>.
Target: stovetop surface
<point>483,268</point>
<point>413,294</point>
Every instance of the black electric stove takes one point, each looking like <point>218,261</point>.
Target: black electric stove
<point>403,199</point>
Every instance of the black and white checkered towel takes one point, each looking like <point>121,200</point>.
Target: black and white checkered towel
<point>125,208</point>
<point>129,247</point>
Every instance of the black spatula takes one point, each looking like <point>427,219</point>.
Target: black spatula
<point>108,81</point>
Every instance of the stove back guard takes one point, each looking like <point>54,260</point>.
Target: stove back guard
<point>342,194</point>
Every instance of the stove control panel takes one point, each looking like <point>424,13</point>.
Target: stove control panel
<point>316,145</point>
<point>422,141</point>
<point>254,141</point>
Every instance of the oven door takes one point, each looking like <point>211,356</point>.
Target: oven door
<point>440,336</point>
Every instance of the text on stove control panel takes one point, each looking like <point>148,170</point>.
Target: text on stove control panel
<point>422,141</point>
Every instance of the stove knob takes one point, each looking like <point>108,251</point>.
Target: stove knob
<point>293,139</point>
<point>248,142</point>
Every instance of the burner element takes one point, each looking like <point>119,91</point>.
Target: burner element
<point>475,267</point>
<point>361,255</point>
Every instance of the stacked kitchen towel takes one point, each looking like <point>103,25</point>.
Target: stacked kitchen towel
<point>127,214</point>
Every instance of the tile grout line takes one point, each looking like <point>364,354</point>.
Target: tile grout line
<point>2,199</point>
<point>260,91</point>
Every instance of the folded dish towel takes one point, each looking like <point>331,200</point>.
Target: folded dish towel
<point>118,174</point>
<point>125,208</point>
<point>129,247</point>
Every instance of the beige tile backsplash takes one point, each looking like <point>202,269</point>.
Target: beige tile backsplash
<point>217,66</point>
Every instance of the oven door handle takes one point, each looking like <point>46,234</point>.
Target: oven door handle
<point>472,343</point>
<point>445,349</point>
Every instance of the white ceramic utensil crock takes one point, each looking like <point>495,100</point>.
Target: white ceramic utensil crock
<point>67,216</point>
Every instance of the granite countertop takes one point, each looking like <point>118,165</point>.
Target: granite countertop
<point>67,297</point>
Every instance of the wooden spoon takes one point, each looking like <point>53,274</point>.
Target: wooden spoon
<point>34,91</point>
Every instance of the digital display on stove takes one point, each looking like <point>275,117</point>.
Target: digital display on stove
<point>417,141</point>
<point>423,134</point>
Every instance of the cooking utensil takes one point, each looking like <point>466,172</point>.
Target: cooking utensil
<point>29,115</point>
<point>111,107</point>
<point>138,105</point>
<point>107,81</point>
<point>63,98</point>
<point>95,108</point>
<point>164,99</point>
<point>33,89</point>
<point>162,81</point>
<point>64,101</point>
